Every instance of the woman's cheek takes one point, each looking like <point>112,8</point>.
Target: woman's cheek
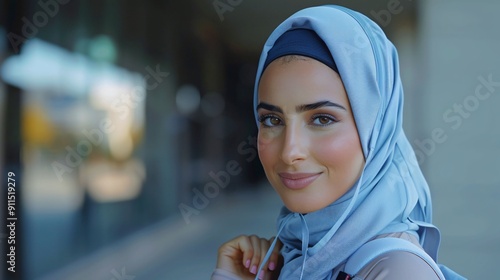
<point>333,148</point>
<point>267,136</point>
<point>266,145</point>
<point>263,143</point>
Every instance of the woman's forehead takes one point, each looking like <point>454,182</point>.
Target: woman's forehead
<point>301,81</point>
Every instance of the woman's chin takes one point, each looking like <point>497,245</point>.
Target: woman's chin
<point>303,208</point>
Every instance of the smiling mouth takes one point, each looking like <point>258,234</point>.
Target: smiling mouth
<point>297,181</point>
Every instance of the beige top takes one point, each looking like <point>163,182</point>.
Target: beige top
<point>396,265</point>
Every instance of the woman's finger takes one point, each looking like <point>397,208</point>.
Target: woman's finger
<point>254,264</point>
<point>235,253</point>
<point>246,247</point>
<point>264,247</point>
<point>248,253</point>
<point>273,260</point>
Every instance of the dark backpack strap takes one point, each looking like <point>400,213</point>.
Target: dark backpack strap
<point>343,276</point>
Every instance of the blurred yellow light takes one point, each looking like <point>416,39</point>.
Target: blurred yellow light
<point>36,127</point>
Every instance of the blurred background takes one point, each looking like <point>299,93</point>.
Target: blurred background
<point>128,125</point>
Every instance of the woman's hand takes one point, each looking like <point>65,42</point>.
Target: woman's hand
<point>244,254</point>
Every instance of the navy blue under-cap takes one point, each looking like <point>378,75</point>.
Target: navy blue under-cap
<point>303,42</point>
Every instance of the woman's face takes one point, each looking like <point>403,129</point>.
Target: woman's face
<point>308,142</point>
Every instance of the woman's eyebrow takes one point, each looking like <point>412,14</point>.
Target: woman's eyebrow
<point>300,108</point>
<point>269,107</point>
<point>312,106</point>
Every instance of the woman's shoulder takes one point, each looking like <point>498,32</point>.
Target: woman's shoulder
<point>397,265</point>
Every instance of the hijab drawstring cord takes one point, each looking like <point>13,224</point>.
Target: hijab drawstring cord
<point>305,243</point>
<point>270,251</point>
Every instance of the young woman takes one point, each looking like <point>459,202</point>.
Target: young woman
<point>328,103</point>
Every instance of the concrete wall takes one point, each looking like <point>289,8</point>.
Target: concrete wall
<point>458,50</point>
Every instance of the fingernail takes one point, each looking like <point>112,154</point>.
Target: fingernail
<point>272,266</point>
<point>261,274</point>
<point>247,264</point>
<point>253,270</point>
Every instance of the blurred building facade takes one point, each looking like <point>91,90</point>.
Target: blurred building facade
<point>123,114</point>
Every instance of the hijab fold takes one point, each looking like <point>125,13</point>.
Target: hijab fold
<point>391,195</point>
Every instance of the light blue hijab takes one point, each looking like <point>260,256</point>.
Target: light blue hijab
<point>391,195</point>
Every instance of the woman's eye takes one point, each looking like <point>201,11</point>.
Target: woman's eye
<point>323,120</point>
<point>270,121</point>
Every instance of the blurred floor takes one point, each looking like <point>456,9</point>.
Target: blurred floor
<point>175,250</point>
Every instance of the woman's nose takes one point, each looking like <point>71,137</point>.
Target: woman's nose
<point>294,146</point>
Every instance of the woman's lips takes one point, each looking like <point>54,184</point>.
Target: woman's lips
<point>297,181</point>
